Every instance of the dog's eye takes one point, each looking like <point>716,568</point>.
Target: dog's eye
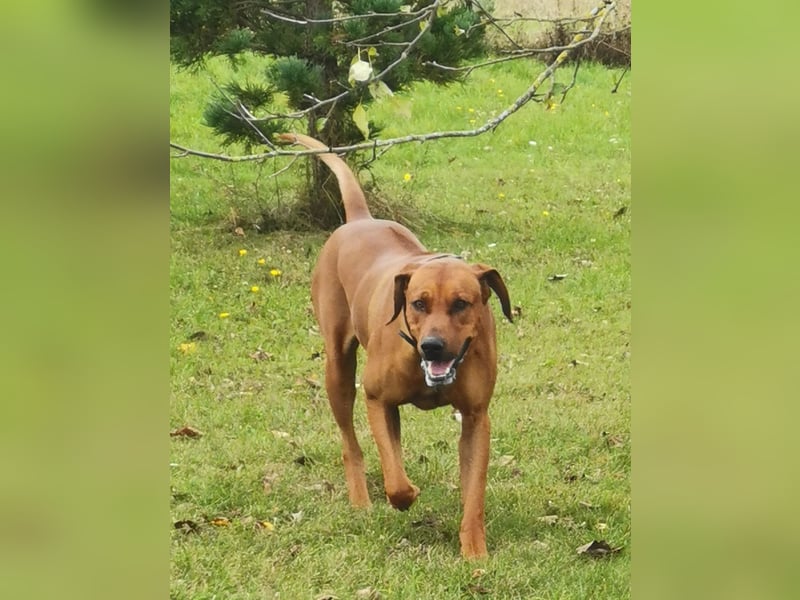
<point>459,305</point>
<point>418,305</point>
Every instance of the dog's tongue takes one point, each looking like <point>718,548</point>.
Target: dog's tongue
<point>439,368</point>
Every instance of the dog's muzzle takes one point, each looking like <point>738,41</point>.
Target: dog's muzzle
<point>439,370</point>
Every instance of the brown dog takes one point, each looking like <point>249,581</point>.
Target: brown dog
<point>422,318</point>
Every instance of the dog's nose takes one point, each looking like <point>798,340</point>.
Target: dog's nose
<point>432,347</point>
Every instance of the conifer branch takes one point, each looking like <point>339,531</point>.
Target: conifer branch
<point>596,17</point>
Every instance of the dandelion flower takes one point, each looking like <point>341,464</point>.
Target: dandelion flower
<point>407,177</point>
<point>501,195</point>
<point>262,261</point>
<point>500,92</point>
<point>255,289</point>
<point>242,252</point>
<point>275,272</point>
<point>187,347</point>
<point>224,315</point>
<point>472,110</point>
<point>545,213</point>
<point>266,525</point>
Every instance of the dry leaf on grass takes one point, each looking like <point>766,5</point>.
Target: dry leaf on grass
<point>186,431</point>
<point>187,526</point>
<point>549,519</point>
<point>259,355</point>
<point>220,521</point>
<point>505,460</point>
<point>597,549</point>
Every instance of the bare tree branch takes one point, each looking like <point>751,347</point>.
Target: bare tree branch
<point>597,17</point>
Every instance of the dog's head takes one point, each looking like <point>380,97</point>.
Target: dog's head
<point>445,302</point>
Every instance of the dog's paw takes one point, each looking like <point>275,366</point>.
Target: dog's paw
<point>403,499</point>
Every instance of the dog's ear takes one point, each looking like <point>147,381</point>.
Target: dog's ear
<point>400,285</point>
<point>490,279</point>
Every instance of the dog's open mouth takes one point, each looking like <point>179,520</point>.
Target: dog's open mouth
<point>439,372</point>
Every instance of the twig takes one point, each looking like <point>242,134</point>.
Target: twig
<point>598,14</point>
<point>369,15</point>
<point>616,86</point>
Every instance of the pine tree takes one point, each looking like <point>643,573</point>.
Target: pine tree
<point>320,51</point>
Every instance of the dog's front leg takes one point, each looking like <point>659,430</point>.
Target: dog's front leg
<point>384,420</point>
<point>473,453</point>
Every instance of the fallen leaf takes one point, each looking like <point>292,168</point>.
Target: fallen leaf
<point>597,548</point>
<point>314,383</point>
<point>478,573</point>
<point>585,504</point>
<point>280,434</point>
<point>259,354</point>
<point>267,482</point>
<point>187,526</point>
<point>186,431</point>
<point>505,460</point>
<point>557,277</point>
<point>239,231</point>
<point>220,521</point>
<point>368,593</point>
<point>549,519</point>
<point>198,335</point>
<point>621,211</point>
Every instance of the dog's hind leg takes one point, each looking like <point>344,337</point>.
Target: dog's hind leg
<point>340,379</point>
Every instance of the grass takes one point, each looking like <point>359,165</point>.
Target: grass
<point>251,382</point>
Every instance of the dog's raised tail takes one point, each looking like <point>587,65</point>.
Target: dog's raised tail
<point>355,204</point>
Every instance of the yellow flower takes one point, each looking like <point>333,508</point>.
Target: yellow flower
<point>224,315</point>
<point>242,252</point>
<point>255,289</point>
<point>501,195</point>
<point>472,110</point>
<point>266,525</point>
<point>407,177</point>
<point>262,261</point>
<point>187,347</point>
<point>275,272</point>
<point>472,121</point>
<point>500,92</point>
<point>545,213</point>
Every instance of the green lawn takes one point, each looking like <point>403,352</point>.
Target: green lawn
<point>263,487</point>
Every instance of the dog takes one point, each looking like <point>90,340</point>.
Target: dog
<point>429,335</point>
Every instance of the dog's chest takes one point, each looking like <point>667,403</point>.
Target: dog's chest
<point>430,398</point>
